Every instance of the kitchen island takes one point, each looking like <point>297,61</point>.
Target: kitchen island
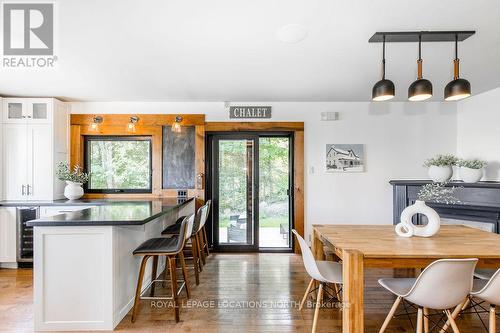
<point>84,271</point>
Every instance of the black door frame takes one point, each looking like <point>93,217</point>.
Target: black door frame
<point>211,139</point>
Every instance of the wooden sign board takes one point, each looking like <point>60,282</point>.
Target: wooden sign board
<point>238,112</point>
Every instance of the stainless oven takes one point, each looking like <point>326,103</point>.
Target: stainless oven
<point>25,233</point>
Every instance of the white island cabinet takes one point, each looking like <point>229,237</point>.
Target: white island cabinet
<point>84,271</point>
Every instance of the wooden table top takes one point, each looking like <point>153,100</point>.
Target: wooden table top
<point>380,241</point>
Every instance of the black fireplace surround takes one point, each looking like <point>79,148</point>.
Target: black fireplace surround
<point>479,202</point>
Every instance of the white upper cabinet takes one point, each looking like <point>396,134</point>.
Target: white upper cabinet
<point>35,141</point>
<point>28,110</point>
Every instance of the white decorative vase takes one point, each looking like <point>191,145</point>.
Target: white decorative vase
<point>440,174</point>
<point>73,190</point>
<point>407,229</point>
<point>469,175</point>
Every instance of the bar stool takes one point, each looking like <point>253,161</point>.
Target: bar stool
<point>170,248</point>
<point>194,239</point>
<point>196,244</point>
<point>204,235</point>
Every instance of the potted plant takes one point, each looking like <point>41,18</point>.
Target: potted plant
<point>471,171</point>
<point>435,192</point>
<point>441,167</point>
<point>74,180</point>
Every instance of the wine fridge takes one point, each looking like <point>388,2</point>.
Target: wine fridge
<point>25,233</point>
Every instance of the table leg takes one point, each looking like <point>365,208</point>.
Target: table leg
<point>353,289</point>
<point>317,246</point>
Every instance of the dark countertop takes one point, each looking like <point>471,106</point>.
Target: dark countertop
<point>112,212</point>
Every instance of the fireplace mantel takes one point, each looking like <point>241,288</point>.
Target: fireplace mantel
<point>478,201</point>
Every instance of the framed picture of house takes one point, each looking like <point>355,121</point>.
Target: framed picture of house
<point>345,158</point>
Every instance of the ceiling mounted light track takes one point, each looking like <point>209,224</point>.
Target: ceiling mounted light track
<point>458,88</point>
<point>421,89</point>
<point>384,89</point>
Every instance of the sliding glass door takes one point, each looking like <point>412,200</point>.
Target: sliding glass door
<point>249,184</point>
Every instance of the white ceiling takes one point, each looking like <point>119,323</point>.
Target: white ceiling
<point>227,50</point>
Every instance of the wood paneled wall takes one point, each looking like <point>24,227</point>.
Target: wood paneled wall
<point>150,125</point>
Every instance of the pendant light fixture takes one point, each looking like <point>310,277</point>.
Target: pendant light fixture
<point>458,88</point>
<point>421,89</point>
<point>384,89</point>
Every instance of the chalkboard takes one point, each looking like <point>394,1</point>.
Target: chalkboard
<point>179,158</point>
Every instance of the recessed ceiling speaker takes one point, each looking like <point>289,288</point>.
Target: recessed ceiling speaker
<point>384,89</point>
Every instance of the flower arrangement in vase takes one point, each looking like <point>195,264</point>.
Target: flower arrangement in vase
<point>440,167</point>
<point>74,179</point>
<point>471,171</point>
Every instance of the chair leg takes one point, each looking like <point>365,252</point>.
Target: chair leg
<point>305,295</point>
<point>318,305</point>
<point>173,276</point>
<point>196,266</point>
<point>206,239</point>
<point>135,309</point>
<point>154,269</point>
<point>184,273</point>
<point>165,272</point>
<point>198,250</point>
<point>420,316</point>
<point>201,245</point>
<point>455,313</point>
<point>390,314</point>
<point>426,320</point>
<point>493,319</point>
<point>454,326</point>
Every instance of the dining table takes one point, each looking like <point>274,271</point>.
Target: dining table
<point>377,246</point>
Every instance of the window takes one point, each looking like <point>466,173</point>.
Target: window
<point>118,164</point>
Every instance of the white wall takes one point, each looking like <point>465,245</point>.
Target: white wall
<point>398,137</point>
<point>478,134</point>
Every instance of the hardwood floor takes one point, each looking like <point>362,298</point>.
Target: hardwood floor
<point>236,283</point>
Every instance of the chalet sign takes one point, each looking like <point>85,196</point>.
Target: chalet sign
<point>237,112</point>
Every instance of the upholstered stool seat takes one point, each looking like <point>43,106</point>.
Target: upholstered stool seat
<point>158,245</point>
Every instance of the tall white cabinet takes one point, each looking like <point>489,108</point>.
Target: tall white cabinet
<point>34,141</point>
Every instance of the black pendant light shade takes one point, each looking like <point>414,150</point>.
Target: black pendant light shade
<point>421,89</point>
<point>458,88</point>
<point>384,89</point>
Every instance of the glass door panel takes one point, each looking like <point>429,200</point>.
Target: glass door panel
<point>274,186</point>
<point>236,192</point>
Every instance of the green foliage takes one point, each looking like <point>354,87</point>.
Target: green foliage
<point>76,175</point>
<point>438,192</point>
<point>120,164</point>
<point>472,164</point>
<point>441,160</point>
<point>273,175</point>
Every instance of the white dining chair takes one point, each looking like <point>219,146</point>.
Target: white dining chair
<point>321,271</point>
<point>484,273</point>
<point>442,285</point>
<point>490,293</point>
